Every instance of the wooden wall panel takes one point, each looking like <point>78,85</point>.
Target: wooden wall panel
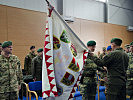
<point>23,27</point>
<point>92,31</point>
<point>26,28</point>
<point>3,23</point>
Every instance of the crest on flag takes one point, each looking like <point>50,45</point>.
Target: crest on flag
<point>64,37</point>
<point>63,59</point>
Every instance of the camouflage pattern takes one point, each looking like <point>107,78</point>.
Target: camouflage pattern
<point>88,86</point>
<point>130,76</point>
<point>117,64</point>
<point>10,74</point>
<point>102,55</point>
<point>9,96</point>
<point>27,62</point>
<point>37,68</point>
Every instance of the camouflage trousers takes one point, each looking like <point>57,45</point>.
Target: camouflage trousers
<point>88,90</point>
<point>116,92</point>
<point>9,96</point>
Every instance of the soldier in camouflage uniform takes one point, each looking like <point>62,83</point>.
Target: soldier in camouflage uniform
<point>130,73</point>
<point>103,54</point>
<point>37,66</point>
<point>0,48</point>
<point>28,60</point>
<point>127,47</point>
<point>10,73</point>
<point>117,64</point>
<point>88,85</point>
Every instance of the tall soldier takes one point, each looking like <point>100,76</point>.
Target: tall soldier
<point>0,48</point>
<point>28,60</point>
<point>37,66</point>
<point>10,73</point>
<point>130,73</point>
<point>117,64</point>
<point>88,86</point>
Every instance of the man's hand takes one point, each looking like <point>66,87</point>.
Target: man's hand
<point>34,79</point>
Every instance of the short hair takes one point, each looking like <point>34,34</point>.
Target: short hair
<point>32,47</point>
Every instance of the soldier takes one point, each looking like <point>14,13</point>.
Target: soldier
<point>10,73</point>
<point>127,47</point>
<point>0,48</point>
<point>28,60</point>
<point>103,54</point>
<point>37,66</point>
<point>88,85</point>
<point>116,63</point>
<point>130,73</point>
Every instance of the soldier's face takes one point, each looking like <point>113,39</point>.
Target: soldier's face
<point>92,48</point>
<point>131,48</point>
<point>8,50</point>
<point>40,53</point>
<point>113,46</point>
<point>33,50</point>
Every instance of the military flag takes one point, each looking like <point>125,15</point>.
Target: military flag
<point>63,59</point>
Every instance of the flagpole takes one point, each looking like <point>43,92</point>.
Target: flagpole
<point>65,24</point>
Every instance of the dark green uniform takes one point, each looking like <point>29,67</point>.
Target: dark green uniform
<point>88,86</point>
<point>27,62</point>
<point>37,68</point>
<point>10,77</point>
<point>117,64</point>
<point>130,76</point>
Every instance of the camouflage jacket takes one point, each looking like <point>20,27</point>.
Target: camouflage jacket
<point>10,73</point>
<point>27,62</point>
<point>130,67</point>
<point>37,68</point>
<point>116,63</point>
<point>102,55</point>
<point>89,70</point>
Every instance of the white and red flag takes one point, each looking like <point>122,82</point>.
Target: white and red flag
<point>63,59</point>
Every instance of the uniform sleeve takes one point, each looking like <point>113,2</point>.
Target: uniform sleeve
<point>26,63</point>
<point>33,65</point>
<point>19,72</point>
<point>106,61</point>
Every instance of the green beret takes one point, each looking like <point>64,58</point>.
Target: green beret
<point>131,43</point>
<point>40,50</point>
<point>117,41</point>
<point>127,46</point>
<point>91,43</point>
<point>6,44</point>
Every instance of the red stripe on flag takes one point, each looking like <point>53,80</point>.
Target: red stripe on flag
<point>49,71</point>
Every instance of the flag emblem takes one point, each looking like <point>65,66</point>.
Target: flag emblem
<point>68,79</point>
<point>64,37</point>
<point>56,42</point>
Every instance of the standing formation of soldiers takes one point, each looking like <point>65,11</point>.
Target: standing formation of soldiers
<point>117,62</point>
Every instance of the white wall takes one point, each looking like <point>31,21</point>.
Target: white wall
<point>121,12</point>
<point>85,9</point>
<point>36,5</point>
